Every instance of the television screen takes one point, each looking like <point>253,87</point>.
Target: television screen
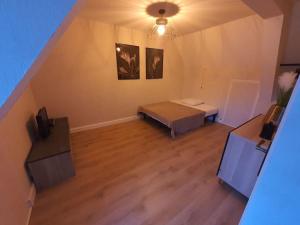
<point>43,123</point>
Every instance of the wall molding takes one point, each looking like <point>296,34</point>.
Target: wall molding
<point>103,124</point>
<point>30,202</point>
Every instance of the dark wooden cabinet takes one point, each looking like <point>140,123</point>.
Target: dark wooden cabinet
<point>50,161</point>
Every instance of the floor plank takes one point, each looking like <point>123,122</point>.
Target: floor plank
<point>135,174</point>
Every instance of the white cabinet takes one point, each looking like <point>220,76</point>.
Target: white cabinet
<point>242,160</point>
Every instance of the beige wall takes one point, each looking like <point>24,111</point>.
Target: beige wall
<point>271,53</point>
<point>292,50</point>
<point>289,44</point>
<point>79,79</point>
<point>270,8</point>
<point>15,144</point>
<point>242,50</point>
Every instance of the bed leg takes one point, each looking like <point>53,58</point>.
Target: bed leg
<point>142,116</point>
<point>214,117</point>
<point>172,133</point>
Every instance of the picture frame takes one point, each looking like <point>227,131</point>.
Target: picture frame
<point>128,61</point>
<point>154,63</point>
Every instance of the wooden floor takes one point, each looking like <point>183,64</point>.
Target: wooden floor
<point>135,174</point>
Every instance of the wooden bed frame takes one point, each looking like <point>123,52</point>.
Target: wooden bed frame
<point>178,118</point>
<point>144,116</point>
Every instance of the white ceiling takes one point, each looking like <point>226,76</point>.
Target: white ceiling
<point>194,15</point>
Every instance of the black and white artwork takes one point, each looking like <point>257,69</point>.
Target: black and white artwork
<point>128,61</point>
<point>154,63</point>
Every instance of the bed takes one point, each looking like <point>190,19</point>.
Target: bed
<point>210,110</point>
<point>177,115</point>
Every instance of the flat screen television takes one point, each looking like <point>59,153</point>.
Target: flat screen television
<point>43,123</point>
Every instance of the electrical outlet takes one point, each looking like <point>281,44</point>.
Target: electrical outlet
<point>29,203</point>
<point>31,197</point>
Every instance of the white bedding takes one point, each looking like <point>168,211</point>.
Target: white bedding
<point>192,101</point>
<point>208,109</point>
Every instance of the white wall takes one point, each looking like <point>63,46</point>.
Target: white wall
<point>292,50</point>
<point>79,78</point>
<point>276,192</point>
<point>272,34</point>
<point>275,198</point>
<point>217,58</point>
<point>15,144</point>
<point>27,28</point>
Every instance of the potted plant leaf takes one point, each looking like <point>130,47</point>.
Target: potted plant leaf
<point>286,83</point>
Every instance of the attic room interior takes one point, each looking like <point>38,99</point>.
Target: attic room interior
<point>153,112</point>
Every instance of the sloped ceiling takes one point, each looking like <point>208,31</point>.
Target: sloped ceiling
<point>270,8</point>
<point>194,15</point>
<point>26,29</point>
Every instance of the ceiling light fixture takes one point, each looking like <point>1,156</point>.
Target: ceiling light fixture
<point>161,23</point>
<point>162,12</point>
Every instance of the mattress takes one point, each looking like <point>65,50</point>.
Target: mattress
<point>208,109</point>
<point>176,116</point>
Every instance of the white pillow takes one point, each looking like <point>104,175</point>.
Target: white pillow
<point>192,101</point>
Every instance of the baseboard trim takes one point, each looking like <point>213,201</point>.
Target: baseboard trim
<point>30,202</point>
<point>103,124</point>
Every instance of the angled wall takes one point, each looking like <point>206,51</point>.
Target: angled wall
<point>292,50</point>
<point>275,198</point>
<point>270,8</point>
<point>15,143</point>
<point>79,78</point>
<point>232,56</point>
<point>202,64</point>
<point>26,28</point>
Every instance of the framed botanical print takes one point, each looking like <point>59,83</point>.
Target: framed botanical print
<point>154,63</point>
<point>128,61</point>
